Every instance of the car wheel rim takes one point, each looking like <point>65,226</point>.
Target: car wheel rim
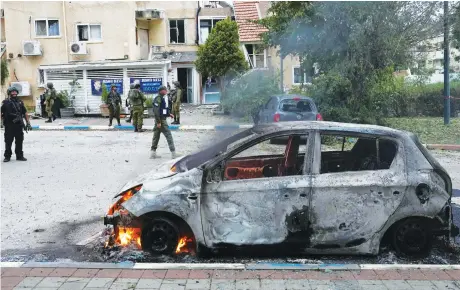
<point>162,236</point>
<point>412,237</point>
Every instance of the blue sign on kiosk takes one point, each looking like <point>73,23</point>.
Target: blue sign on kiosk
<point>96,85</point>
<point>148,86</point>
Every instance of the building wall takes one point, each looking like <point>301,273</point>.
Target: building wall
<point>288,63</point>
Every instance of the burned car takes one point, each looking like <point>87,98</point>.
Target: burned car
<point>332,188</point>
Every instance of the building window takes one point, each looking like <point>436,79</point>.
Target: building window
<point>89,32</point>
<point>41,78</point>
<point>257,55</point>
<point>176,31</point>
<point>206,26</point>
<point>47,28</point>
<point>297,77</point>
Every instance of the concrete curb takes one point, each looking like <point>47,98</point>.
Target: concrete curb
<point>450,147</point>
<point>224,266</point>
<point>148,128</point>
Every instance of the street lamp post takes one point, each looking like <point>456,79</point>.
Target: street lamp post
<point>446,65</point>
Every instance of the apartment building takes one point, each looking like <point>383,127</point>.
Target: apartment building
<point>256,54</point>
<point>106,42</point>
<point>432,54</point>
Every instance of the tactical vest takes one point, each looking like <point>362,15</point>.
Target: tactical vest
<point>164,108</point>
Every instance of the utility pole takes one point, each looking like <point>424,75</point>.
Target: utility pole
<point>281,71</point>
<point>446,65</point>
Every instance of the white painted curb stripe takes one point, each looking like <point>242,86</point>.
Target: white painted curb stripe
<point>456,200</point>
<point>11,264</point>
<point>167,266</point>
<point>407,266</point>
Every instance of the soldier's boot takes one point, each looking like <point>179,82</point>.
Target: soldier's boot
<point>21,158</point>
<point>118,121</point>
<point>110,122</point>
<point>140,130</point>
<point>175,121</point>
<point>153,154</point>
<point>174,155</point>
<point>7,159</point>
<point>49,120</point>
<point>135,129</point>
<point>54,117</point>
<point>178,121</point>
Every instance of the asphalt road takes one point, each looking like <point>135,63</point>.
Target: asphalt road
<point>58,197</point>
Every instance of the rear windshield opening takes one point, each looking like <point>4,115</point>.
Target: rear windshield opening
<point>295,106</point>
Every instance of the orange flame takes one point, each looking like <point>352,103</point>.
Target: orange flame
<point>181,245</point>
<point>127,236</point>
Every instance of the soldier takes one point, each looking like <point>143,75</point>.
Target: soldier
<point>176,101</point>
<point>128,104</point>
<point>137,100</point>
<point>50,96</point>
<point>161,109</point>
<point>13,111</point>
<point>114,102</point>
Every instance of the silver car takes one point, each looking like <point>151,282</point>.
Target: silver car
<point>333,188</point>
<point>286,108</point>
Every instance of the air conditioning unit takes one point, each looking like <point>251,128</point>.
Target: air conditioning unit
<point>31,47</point>
<point>157,48</point>
<point>78,48</point>
<point>22,87</point>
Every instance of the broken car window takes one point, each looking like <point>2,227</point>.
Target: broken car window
<point>352,153</point>
<point>281,156</point>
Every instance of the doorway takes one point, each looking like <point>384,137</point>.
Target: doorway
<point>182,77</point>
<point>144,43</point>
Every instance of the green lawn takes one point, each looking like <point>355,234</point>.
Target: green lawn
<point>429,130</point>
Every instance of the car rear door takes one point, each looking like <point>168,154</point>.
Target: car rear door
<point>255,209</point>
<point>297,109</point>
<point>349,206</point>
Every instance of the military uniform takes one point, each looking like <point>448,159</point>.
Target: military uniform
<point>177,98</point>
<point>161,110</point>
<point>114,102</point>
<point>137,100</point>
<point>50,96</point>
<point>13,111</point>
<point>129,105</point>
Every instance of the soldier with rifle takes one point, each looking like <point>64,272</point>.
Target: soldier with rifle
<point>13,112</point>
<point>114,102</point>
<point>176,101</point>
<point>128,103</point>
<point>50,96</point>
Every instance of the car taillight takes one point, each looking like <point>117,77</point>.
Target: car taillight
<point>276,118</point>
<point>296,99</point>
<point>319,117</point>
<point>124,196</point>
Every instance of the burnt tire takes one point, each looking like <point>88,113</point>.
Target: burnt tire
<point>412,237</point>
<point>160,236</point>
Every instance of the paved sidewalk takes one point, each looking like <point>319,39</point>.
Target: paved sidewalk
<point>72,278</point>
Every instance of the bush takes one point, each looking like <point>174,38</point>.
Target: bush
<point>105,94</point>
<point>149,102</point>
<point>64,97</point>
<point>245,95</point>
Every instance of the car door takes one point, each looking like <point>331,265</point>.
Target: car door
<point>254,209</point>
<point>349,207</point>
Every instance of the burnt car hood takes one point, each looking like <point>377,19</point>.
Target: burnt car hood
<point>161,171</point>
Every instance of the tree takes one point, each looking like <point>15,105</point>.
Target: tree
<point>220,57</point>
<point>4,71</point>
<point>353,42</point>
<point>456,29</point>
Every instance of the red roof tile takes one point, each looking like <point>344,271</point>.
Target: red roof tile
<point>244,11</point>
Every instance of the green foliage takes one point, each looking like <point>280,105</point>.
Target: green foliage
<point>356,45</point>
<point>456,29</point>
<point>149,102</point>
<point>429,130</point>
<point>64,97</point>
<point>105,93</point>
<point>4,71</point>
<point>246,94</point>
<point>221,55</point>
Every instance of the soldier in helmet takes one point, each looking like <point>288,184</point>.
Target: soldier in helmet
<point>13,111</point>
<point>137,99</point>
<point>50,96</point>
<point>161,110</point>
<point>128,103</point>
<point>114,102</point>
<point>176,101</point>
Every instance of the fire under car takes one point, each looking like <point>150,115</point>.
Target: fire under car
<point>331,188</point>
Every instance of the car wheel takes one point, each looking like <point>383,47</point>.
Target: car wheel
<point>412,237</point>
<point>160,236</point>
